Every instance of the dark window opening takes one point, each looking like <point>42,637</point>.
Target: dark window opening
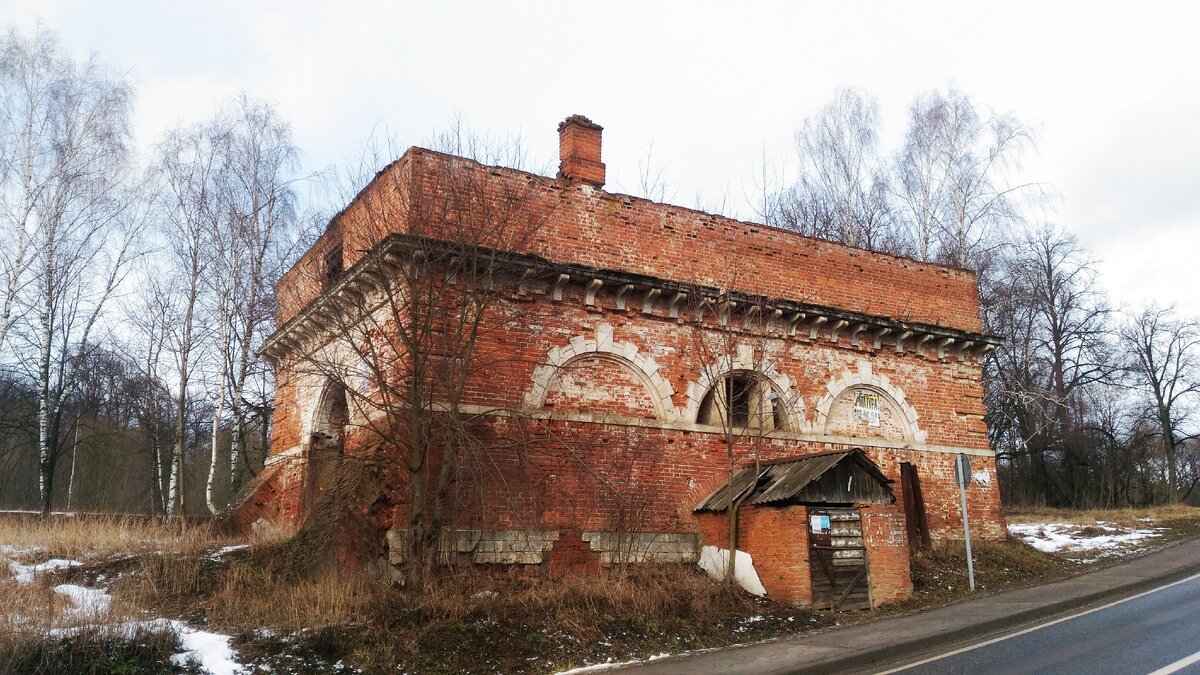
<point>737,392</point>
<point>744,401</point>
<point>327,445</point>
<point>333,266</point>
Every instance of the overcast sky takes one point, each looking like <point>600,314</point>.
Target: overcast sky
<point>1113,89</point>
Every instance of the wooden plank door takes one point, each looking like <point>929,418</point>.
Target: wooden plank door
<point>838,559</point>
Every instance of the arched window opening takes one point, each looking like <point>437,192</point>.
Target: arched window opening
<point>743,401</point>
<point>328,443</point>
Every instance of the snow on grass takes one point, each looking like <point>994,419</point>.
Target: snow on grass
<point>213,652</point>
<point>610,664</point>
<point>25,574</point>
<point>1091,542</point>
<point>86,603</point>
<point>226,550</point>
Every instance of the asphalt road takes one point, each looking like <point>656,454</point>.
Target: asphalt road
<point>1156,632</point>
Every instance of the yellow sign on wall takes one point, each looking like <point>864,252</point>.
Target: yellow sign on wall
<point>866,407</point>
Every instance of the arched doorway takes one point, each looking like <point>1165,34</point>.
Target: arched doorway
<point>327,443</point>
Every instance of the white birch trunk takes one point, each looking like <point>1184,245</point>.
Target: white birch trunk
<point>221,387</point>
<point>45,451</point>
<point>173,484</point>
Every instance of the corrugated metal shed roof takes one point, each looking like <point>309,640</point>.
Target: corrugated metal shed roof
<point>719,500</point>
<point>795,479</point>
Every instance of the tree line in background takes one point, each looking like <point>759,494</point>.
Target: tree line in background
<point>1088,405</point>
<point>134,292</point>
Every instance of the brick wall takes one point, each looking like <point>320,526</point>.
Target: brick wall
<point>614,386</point>
<point>886,540</point>
<point>578,223</point>
<point>777,539</point>
<point>607,423</point>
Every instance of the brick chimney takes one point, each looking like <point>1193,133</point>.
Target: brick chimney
<point>579,151</point>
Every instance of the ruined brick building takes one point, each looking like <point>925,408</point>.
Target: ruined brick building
<point>651,367</point>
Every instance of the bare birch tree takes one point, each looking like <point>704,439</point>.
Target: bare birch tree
<point>262,162</point>
<point>951,177</point>
<point>843,192</point>
<point>29,72</point>
<point>153,318</point>
<point>189,171</point>
<point>76,202</point>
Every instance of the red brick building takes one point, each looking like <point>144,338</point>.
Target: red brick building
<point>639,353</point>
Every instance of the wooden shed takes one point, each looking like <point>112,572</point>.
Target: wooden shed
<point>803,520</point>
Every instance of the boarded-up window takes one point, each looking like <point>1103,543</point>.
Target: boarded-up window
<point>602,386</point>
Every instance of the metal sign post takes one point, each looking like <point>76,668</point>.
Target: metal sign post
<point>962,475</point>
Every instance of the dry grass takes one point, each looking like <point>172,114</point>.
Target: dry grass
<point>1179,515</point>
<point>38,609</point>
<point>42,630</point>
<point>248,591</point>
<point>89,650</point>
<point>940,573</point>
<point>98,536</point>
<point>462,621</point>
<point>475,621</point>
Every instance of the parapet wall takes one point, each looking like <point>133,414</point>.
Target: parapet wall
<point>582,224</point>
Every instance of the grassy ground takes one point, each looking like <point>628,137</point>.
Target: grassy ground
<point>1180,520</point>
<point>464,621</point>
<point>43,631</point>
<point>95,537</point>
<point>289,618</point>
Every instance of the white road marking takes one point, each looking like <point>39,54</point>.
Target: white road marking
<point>1181,664</point>
<point>1178,665</point>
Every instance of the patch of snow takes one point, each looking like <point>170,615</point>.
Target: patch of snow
<point>716,560</point>
<point>10,550</point>
<point>211,650</point>
<point>744,624</point>
<point>88,603</point>
<point>594,668</point>
<point>1068,537</point>
<point>25,574</point>
<point>610,664</point>
<point>224,551</point>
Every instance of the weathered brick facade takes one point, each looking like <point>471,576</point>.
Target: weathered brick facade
<point>602,374</point>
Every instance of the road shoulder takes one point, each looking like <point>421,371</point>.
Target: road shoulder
<point>887,641</point>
